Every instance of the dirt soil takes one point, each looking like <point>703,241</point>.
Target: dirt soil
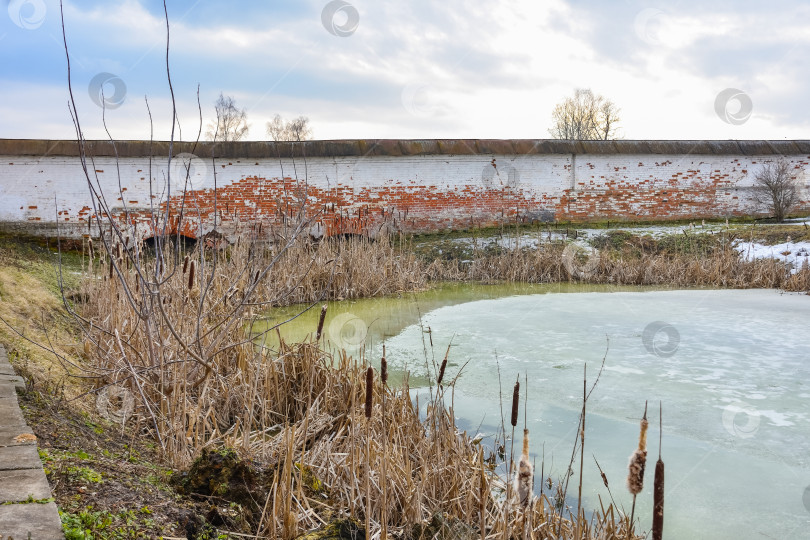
<point>106,485</point>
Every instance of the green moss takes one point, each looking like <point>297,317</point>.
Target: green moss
<point>29,500</point>
<point>309,479</point>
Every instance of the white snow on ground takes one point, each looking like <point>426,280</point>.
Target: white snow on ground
<point>796,253</point>
<point>533,239</point>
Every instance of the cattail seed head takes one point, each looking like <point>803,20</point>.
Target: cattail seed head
<point>112,265</point>
<point>441,372</point>
<point>525,477</point>
<point>384,369</point>
<point>638,460</point>
<point>515,403</point>
<point>443,366</point>
<point>658,484</point>
<point>658,501</point>
<point>369,390</point>
<point>185,264</point>
<point>320,322</point>
<point>191,275</point>
<point>256,277</point>
<point>635,476</point>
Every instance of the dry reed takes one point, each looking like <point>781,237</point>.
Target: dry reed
<point>298,407</point>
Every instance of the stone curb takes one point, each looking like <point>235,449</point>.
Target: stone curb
<point>24,487</point>
<point>39,520</point>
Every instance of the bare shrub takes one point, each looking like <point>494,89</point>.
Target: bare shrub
<point>776,188</point>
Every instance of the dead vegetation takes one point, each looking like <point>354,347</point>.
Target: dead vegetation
<point>699,261</point>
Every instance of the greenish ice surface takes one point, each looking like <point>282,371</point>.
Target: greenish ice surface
<point>731,369</point>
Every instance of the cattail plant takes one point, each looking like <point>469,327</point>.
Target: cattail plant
<point>383,369</point>
<point>525,476</point>
<point>191,276</point>
<point>513,421</point>
<point>320,323</point>
<point>383,482</point>
<point>185,264</point>
<point>658,487</point>
<point>369,391</point>
<point>369,402</point>
<point>582,444</point>
<point>442,367</point>
<point>638,461</point>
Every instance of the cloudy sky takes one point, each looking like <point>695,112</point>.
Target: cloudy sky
<point>417,69</point>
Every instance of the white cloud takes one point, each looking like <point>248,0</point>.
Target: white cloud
<point>428,69</point>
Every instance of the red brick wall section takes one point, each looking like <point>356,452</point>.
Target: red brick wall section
<point>373,194</point>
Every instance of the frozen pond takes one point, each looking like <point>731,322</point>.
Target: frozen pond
<point>731,367</point>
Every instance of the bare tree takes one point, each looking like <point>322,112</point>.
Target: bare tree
<point>231,122</point>
<point>169,320</point>
<point>585,116</point>
<point>296,129</point>
<point>775,188</point>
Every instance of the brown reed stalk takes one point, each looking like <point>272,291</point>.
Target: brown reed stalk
<point>638,462</point>
<point>582,445</point>
<point>513,421</point>
<point>320,323</point>
<point>369,401</point>
<point>482,495</point>
<point>384,476</point>
<point>658,486</point>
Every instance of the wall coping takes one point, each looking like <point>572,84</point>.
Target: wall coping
<point>400,147</point>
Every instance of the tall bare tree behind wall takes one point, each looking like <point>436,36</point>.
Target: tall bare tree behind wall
<point>776,189</point>
<point>294,130</point>
<point>231,124</point>
<point>585,116</point>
